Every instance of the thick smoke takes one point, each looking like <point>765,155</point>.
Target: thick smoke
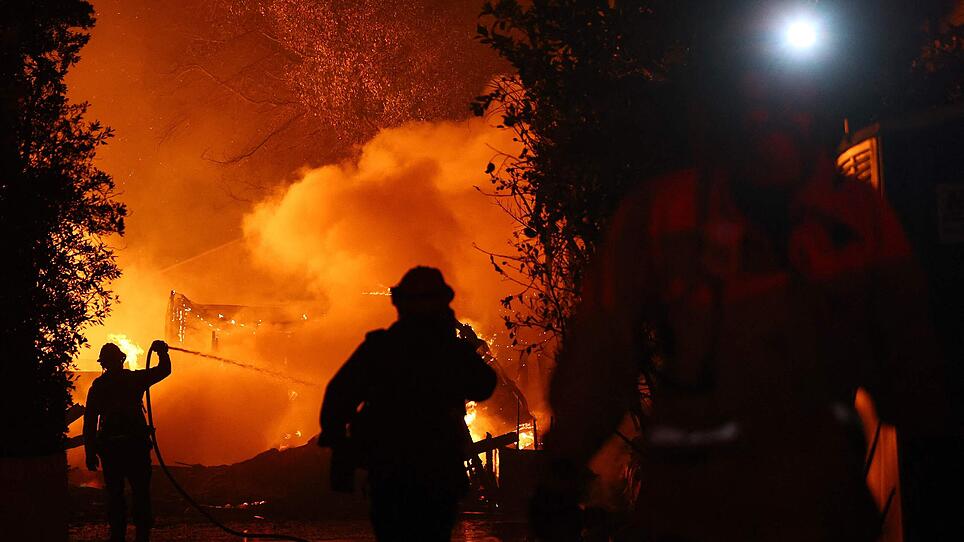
<point>410,198</point>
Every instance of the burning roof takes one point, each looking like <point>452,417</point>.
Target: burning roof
<point>186,318</point>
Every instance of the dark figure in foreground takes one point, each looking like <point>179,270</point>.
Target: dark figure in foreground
<point>116,432</point>
<point>775,288</point>
<point>397,408</point>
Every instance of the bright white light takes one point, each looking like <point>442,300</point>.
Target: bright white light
<point>801,34</point>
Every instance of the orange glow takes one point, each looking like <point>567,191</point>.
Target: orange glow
<point>479,425</point>
<point>526,437</point>
<point>128,347</point>
<point>470,415</point>
<point>310,223</point>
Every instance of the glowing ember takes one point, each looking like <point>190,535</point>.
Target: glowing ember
<point>470,416</point>
<point>128,347</point>
<point>289,440</point>
<point>526,437</point>
<point>382,291</point>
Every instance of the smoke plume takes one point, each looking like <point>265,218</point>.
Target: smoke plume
<point>350,230</point>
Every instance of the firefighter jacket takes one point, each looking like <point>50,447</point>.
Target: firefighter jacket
<point>115,408</point>
<point>401,395</point>
<point>763,341</point>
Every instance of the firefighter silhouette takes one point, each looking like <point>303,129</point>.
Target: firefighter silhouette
<point>397,408</point>
<point>116,435</point>
<point>776,287</point>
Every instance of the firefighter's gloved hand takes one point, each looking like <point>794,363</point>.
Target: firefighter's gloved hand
<point>92,462</point>
<point>331,439</point>
<point>554,511</point>
<point>159,346</point>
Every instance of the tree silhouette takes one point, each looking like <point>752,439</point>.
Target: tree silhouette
<point>349,68</point>
<point>56,214</point>
<point>595,104</point>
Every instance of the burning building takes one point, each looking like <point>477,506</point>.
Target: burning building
<point>205,329</point>
<point>204,326</point>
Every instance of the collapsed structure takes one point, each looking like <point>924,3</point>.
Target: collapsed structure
<point>504,429</point>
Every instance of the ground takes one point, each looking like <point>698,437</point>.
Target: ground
<point>470,529</point>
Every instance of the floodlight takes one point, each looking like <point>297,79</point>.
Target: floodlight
<point>801,34</point>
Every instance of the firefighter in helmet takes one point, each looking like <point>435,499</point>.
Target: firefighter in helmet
<point>398,405</point>
<point>776,287</point>
<point>117,437</point>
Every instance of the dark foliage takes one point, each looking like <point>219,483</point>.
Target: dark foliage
<point>56,213</point>
<point>938,66</point>
<point>909,57</point>
<point>596,110</point>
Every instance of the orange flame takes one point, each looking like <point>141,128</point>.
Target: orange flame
<point>128,347</point>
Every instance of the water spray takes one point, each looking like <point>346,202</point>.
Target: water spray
<point>251,367</point>
<point>160,459</point>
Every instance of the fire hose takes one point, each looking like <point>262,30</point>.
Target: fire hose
<point>262,370</point>
<point>187,497</point>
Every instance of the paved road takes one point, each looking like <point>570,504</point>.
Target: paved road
<point>468,530</point>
